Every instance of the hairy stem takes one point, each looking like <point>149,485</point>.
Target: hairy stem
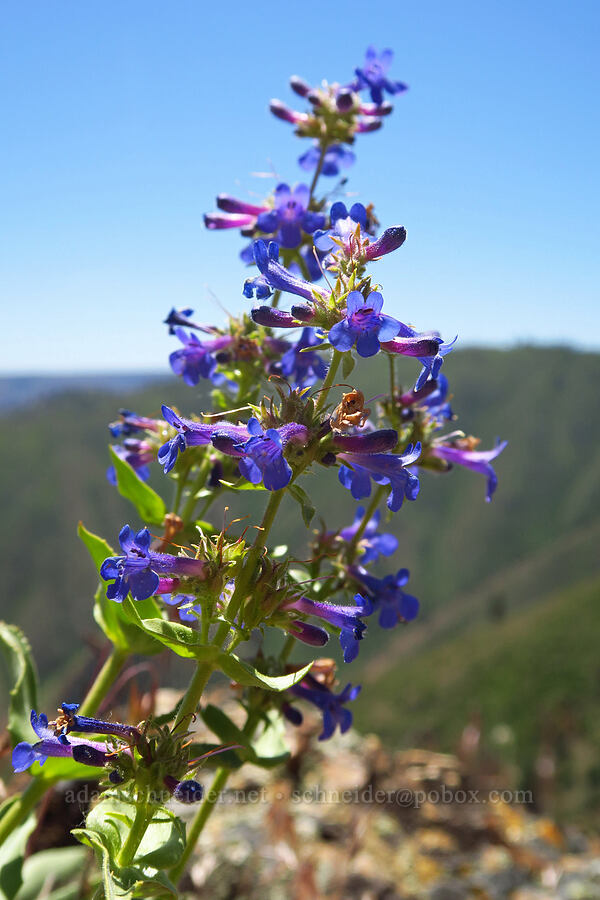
<point>208,804</point>
<point>369,512</point>
<point>143,816</point>
<point>103,682</point>
<point>191,698</point>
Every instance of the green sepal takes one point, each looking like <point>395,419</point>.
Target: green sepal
<point>348,363</point>
<point>23,675</point>
<point>149,505</point>
<point>306,504</point>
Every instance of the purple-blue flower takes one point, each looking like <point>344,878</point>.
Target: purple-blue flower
<point>387,596</point>
<point>331,705</point>
<point>382,468</point>
<point>290,215</point>
<point>476,460</point>
<point>135,452</point>
<point>263,458</point>
<point>195,434</point>
<point>130,423</point>
<point>137,571</point>
<point>70,720</point>
<point>196,359</point>
<point>276,276</point>
<point>432,397</point>
<point>188,610</point>
<point>337,157</point>
<point>363,325</point>
<point>347,618</point>
<point>342,226</point>
<point>49,744</point>
<point>373,543</point>
<point>428,347</point>
<point>301,364</point>
<point>372,75</point>
<point>183,317</point>
<point>187,791</point>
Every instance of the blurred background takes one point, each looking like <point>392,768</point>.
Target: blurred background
<point>122,123</point>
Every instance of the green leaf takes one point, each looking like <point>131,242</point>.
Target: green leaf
<point>306,504</point>
<point>179,638</point>
<point>11,859</point>
<point>150,506</point>
<point>348,363</point>
<point>23,675</point>
<point>242,485</point>
<point>65,864</point>
<point>221,725</point>
<point>270,748</point>
<point>97,547</point>
<point>246,674</point>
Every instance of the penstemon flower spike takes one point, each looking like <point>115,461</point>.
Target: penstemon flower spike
<point>202,592</point>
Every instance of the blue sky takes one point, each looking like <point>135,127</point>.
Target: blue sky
<point>122,122</point>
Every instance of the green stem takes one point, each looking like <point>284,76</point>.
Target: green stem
<point>318,170</point>
<point>334,366</point>
<point>369,512</point>
<point>143,816</point>
<point>21,807</point>
<point>191,698</point>
<point>210,801</point>
<point>104,680</point>
<point>247,573</point>
<point>287,648</point>
<point>199,481</point>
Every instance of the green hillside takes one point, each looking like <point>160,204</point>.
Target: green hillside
<point>536,675</point>
<point>468,559</point>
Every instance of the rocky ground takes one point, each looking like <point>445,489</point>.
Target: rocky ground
<point>346,820</point>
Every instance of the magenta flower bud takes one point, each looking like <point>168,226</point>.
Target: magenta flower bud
<point>365,125</point>
<point>271,317</point>
<point>303,311</point>
<point>233,205</point>
<point>390,240</point>
<point>373,442</point>
<point>300,86</point>
<point>281,111</point>
<point>308,633</point>
<point>91,756</point>
<point>420,345</point>
<point>219,221</point>
<point>411,397</point>
<point>372,109</point>
<point>344,100</point>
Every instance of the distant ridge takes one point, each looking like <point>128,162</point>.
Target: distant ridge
<point>22,390</point>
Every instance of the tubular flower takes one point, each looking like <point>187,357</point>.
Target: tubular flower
<point>138,570</point>
<point>290,215</point>
<point>308,633</point>
<point>387,596</point>
<point>69,720</point>
<point>188,791</point>
<point>303,365</point>
<point>411,343</point>
<point>347,618</point>
<point>182,317</point>
<point>277,277</point>
<point>432,398</point>
<point>476,460</point>
<point>382,468</point>
<point>50,744</point>
<point>262,454</point>
<point>337,157</point>
<point>373,544</point>
<point>135,452</point>
<point>372,75</point>
<point>331,705</point>
<point>235,214</point>
<point>363,325</point>
<point>342,227</point>
<point>130,423</point>
<point>196,359</point>
<point>195,434</point>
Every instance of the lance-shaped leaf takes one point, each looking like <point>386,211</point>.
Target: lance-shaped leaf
<point>179,638</point>
<point>150,506</point>
<point>246,674</point>
<point>306,504</point>
<point>23,675</point>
